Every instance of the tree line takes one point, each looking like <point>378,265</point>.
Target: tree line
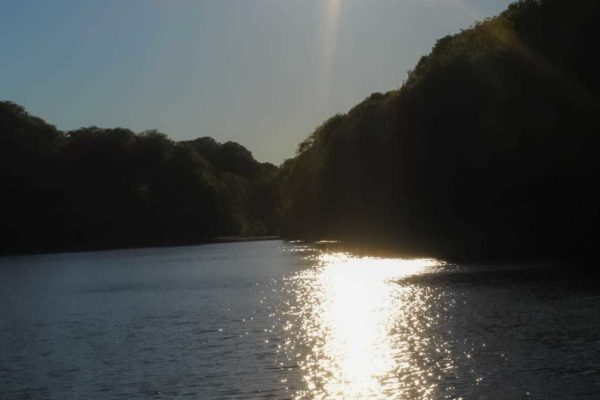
<point>103,188</point>
<point>488,149</point>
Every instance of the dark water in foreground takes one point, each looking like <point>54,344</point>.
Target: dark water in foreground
<point>274,320</point>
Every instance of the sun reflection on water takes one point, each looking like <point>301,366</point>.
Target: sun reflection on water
<point>355,332</point>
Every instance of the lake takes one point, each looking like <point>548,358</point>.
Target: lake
<point>278,320</point>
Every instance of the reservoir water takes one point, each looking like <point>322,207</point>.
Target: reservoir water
<point>275,320</point>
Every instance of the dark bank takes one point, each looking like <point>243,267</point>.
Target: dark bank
<point>488,150</point>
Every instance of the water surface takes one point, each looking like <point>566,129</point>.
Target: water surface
<point>276,320</point>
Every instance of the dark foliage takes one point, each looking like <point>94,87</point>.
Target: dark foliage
<point>489,149</point>
<point>103,188</point>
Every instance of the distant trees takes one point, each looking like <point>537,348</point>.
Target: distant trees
<point>102,188</point>
<point>487,150</point>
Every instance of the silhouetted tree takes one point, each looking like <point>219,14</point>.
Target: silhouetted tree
<point>103,188</point>
<point>487,150</point>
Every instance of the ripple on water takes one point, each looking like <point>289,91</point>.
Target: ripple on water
<point>272,320</point>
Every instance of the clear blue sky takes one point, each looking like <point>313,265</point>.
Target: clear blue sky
<point>263,73</point>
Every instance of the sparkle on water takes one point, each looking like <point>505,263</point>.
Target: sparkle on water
<point>275,320</point>
<point>354,323</point>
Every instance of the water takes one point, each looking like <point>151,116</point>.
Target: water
<point>275,320</point>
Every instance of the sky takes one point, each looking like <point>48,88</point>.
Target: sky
<point>264,73</point>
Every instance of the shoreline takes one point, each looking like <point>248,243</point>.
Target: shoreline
<point>92,249</point>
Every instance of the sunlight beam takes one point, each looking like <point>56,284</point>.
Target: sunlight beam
<point>328,37</point>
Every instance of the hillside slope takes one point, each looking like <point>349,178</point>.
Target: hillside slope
<point>489,149</point>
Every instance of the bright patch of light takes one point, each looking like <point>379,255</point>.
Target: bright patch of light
<point>349,307</point>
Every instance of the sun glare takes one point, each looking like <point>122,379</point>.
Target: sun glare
<point>350,306</point>
<point>329,36</point>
